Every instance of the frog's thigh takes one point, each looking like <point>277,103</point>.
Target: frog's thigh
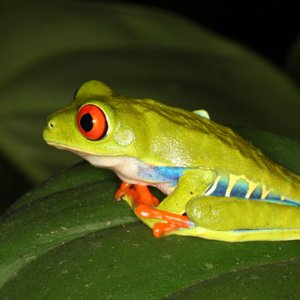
<point>226,214</point>
<point>235,220</point>
<point>192,183</point>
<point>219,213</point>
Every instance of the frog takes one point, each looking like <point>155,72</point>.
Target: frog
<point>217,185</point>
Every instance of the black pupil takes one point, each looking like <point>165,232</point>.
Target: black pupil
<point>86,122</point>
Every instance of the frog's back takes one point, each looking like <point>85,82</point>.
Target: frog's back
<point>208,145</point>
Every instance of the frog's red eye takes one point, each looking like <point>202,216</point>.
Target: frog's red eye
<point>91,122</point>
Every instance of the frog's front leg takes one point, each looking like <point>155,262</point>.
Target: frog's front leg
<point>135,194</point>
<point>169,214</point>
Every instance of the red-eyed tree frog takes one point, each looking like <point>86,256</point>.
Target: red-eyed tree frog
<point>217,185</point>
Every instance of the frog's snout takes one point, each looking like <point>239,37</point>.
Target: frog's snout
<point>49,129</point>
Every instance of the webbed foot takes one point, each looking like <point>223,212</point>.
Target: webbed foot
<point>172,221</point>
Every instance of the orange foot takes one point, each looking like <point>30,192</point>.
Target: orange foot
<point>140,194</point>
<point>173,221</point>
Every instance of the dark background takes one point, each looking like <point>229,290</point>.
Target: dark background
<point>266,27</point>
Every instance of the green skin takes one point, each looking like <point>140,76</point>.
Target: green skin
<point>145,133</point>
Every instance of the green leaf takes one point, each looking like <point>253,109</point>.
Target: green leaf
<point>256,283</point>
<point>140,52</point>
<point>68,239</point>
<point>75,203</point>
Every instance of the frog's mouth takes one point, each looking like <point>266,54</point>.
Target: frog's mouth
<point>75,150</point>
<point>103,161</point>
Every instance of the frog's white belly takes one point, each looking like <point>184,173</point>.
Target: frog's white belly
<point>128,169</point>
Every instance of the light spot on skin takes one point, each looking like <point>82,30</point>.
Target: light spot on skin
<point>124,136</point>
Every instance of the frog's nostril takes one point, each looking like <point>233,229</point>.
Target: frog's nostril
<point>51,125</point>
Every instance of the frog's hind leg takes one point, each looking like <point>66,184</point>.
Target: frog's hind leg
<point>236,219</point>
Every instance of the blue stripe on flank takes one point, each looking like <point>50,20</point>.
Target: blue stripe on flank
<point>221,188</point>
<point>240,189</point>
<point>170,173</point>
<point>282,202</point>
<point>291,202</point>
<point>256,194</point>
<point>161,174</point>
<point>273,196</point>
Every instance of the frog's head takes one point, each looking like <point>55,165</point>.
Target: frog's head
<point>95,123</point>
